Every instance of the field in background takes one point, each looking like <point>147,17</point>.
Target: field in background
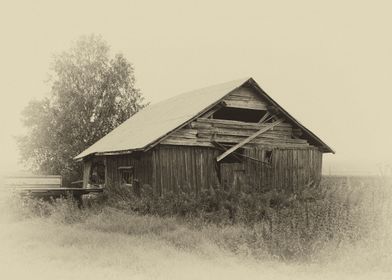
<point>59,241</point>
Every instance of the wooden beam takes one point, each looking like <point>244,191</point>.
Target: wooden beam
<point>212,111</point>
<point>264,118</point>
<point>254,105</point>
<point>224,149</point>
<point>247,140</point>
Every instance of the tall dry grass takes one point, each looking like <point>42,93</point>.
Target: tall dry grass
<point>340,216</point>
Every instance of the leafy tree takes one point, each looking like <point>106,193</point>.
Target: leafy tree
<point>91,94</point>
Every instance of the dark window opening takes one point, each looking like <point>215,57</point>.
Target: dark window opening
<point>239,114</point>
<point>127,175</point>
<point>268,156</point>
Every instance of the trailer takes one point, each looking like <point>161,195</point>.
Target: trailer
<point>47,187</point>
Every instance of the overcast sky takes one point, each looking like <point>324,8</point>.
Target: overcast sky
<point>329,63</point>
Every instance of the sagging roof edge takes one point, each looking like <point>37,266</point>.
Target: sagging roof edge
<point>252,82</point>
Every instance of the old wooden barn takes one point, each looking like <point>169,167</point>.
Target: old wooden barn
<point>231,133</point>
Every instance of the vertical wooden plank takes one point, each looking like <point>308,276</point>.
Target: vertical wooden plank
<point>281,175</point>
<point>269,176</point>
<point>305,165</point>
<point>301,169</point>
<point>311,164</point>
<point>276,169</point>
<point>184,164</point>
<point>290,169</point>
<point>265,171</point>
<point>210,168</point>
<point>154,180</point>
<point>281,167</point>
<point>260,169</point>
<point>198,170</point>
<point>206,166</point>
<point>161,171</point>
<point>174,159</point>
<point>186,167</point>
<point>285,171</point>
<point>202,173</point>
<point>193,153</point>
<point>310,156</point>
<point>300,165</point>
<point>295,165</point>
<point>170,171</point>
<point>282,170</point>
<point>181,163</point>
<point>277,175</point>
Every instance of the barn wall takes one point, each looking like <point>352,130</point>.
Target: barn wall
<point>142,164</point>
<point>289,169</point>
<point>196,167</point>
<point>191,167</point>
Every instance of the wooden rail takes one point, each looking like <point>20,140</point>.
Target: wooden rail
<point>58,192</point>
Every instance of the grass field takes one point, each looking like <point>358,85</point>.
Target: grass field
<point>61,242</point>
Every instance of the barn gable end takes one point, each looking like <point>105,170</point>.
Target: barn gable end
<point>237,116</point>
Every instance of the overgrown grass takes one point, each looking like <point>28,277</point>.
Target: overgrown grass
<point>313,226</point>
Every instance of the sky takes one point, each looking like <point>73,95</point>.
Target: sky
<point>329,63</point>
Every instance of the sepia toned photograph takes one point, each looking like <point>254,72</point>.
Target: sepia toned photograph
<point>195,139</point>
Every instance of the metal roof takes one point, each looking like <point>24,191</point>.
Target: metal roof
<point>158,119</point>
<point>149,125</point>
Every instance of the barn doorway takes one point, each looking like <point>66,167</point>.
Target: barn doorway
<point>232,175</point>
<point>231,168</point>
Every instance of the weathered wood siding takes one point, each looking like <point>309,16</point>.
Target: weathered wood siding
<point>205,129</point>
<point>196,168</point>
<point>182,166</point>
<point>142,164</point>
<point>245,98</point>
<point>289,169</point>
<point>202,131</point>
